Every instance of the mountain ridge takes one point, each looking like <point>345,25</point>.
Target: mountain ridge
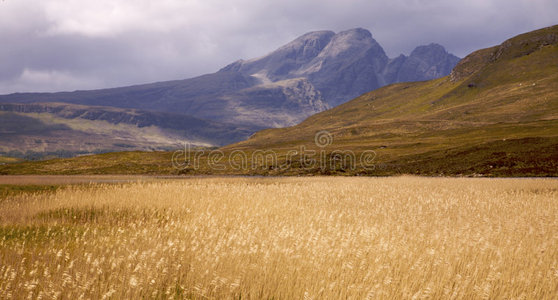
<point>363,65</point>
<point>340,66</point>
<point>310,74</point>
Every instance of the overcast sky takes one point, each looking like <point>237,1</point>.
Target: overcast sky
<point>54,45</point>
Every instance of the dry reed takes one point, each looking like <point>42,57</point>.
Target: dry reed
<point>284,238</point>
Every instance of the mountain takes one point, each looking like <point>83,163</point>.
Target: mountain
<point>52,127</point>
<point>345,65</point>
<point>313,73</point>
<point>310,74</point>
<point>495,114</point>
<point>424,63</point>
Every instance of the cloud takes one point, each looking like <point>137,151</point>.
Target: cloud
<point>49,80</point>
<point>51,45</point>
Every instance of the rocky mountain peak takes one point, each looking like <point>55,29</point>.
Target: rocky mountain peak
<point>308,45</point>
<point>346,64</point>
<point>350,43</point>
<point>424,63</point>
<point>429,52</point>
<point>280,63</point>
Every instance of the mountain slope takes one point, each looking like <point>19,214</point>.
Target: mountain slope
<point>507,94</point>
<point>51,127</point>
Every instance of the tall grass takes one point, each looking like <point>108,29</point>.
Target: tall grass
<point>284,238</point>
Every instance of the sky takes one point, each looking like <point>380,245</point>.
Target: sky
<point>65,45</point>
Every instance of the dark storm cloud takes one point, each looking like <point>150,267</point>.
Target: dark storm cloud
<point>79,44</point>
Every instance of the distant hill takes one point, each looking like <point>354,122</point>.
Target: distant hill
<point>50,127</point>
<point>314,72</point>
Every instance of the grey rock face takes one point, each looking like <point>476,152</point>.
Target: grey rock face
<point>349,66</point>
<point>424,63</point>
<point>277,104</point>
<point>393,67</point>
<point>341,66</point>
<point>281,63</point>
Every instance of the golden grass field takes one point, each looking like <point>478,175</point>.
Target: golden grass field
<point>283,238</point>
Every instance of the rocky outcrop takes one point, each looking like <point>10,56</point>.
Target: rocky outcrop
<point>526,44</point>
<point>471,64</point>
<point>275,104</point>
